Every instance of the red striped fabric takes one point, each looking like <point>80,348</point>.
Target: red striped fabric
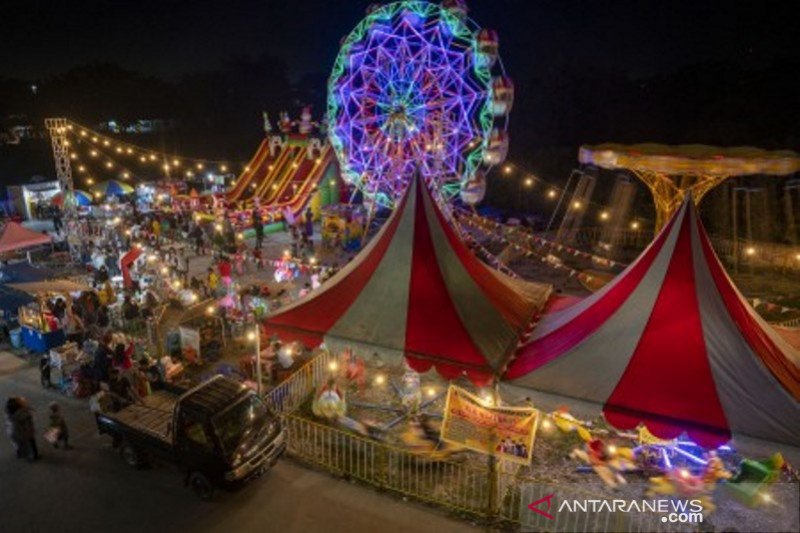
<point>310,320</point>
<point>668,385</point>
<point>515,309</point>
<point>786,372</point>
<point>542,350</point>
<point>433,325</point>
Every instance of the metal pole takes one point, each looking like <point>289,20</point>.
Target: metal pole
<point>494,471</point>
<point>561,198</point>
<point>735,233</point>
<point>258,360</point>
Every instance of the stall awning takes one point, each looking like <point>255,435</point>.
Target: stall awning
<point>14,236</point>
<point>11,299</point>
<point>417,289</point>
<point>56,285</point>
<point>23,272</point>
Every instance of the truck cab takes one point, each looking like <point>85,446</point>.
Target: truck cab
<point>219,433</point>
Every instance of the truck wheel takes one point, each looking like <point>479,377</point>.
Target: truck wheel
<point>131,456</point>
<point>201,486</point>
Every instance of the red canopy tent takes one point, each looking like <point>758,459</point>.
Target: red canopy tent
<point>416,289</point>
<point>670,343</point>
<point>14,236</point>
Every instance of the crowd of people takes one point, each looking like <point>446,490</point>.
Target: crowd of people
<point>123,294</point>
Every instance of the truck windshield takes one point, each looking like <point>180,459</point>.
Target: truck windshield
<point>236,423</point>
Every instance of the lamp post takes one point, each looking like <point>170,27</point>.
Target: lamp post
<point>256,336</point>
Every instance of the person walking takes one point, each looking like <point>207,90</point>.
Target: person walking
<point>309,223</point>
<point>58,428</point>
<point>19,427</point>
<point>258,227</point>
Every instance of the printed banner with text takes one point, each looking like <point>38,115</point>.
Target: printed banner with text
<point>506,432</point>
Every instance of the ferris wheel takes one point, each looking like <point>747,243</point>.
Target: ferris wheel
<point>419,87</point>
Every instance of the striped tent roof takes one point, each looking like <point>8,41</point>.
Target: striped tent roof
<point>671,344</point>
<point>418,290</point>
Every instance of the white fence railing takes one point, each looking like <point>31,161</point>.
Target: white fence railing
<point>298,388</point>
<point>454,482</point>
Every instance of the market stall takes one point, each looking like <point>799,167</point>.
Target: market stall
<point>343,226</point>
<point>41,329</point>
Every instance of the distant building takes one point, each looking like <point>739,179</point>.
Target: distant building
<point>140,126</point>
<point>16,128</point>
<point>23,199</point>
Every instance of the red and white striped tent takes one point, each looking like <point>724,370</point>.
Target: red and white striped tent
<point>670,343</point>
<point>416,290</point>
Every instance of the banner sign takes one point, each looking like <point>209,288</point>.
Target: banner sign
<point>505,432</point>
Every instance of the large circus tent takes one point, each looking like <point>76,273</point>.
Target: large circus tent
<point>417,290</point>
<point>670,344</point>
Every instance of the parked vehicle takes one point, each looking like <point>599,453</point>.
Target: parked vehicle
<point>220,433</point>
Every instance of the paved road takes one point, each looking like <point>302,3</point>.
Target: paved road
<point>90,489</point>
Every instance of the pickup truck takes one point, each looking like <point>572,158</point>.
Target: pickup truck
<point>220,433</point>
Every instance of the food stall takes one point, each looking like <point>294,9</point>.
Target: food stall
<point>41,330</point>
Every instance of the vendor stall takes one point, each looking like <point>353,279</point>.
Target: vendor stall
<point>343,226</point>
<point>40,329</point>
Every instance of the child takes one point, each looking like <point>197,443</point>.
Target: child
<point>213,282</point>
<point>258,258</point>
<point>59,427</point>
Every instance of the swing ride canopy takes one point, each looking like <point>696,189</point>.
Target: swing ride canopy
<point>417,290</point>
<point>670,343</point>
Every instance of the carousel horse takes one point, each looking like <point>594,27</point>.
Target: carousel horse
<point>356,372</point>
<point>682,483</point>
<point>607,461</point>
<point>329,402</point>
<point>566,423</point>
<point>423,437</point>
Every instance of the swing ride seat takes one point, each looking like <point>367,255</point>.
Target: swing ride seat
<point>753,476</point>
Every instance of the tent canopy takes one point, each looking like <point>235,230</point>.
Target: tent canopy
<point>15,236</point>
<point>125,264</point>
<point>670,343</point>
<point>56,285</point>
<point>23,271</point>
<point>113,188</point>
<point>11,300</point>
<point>417,290</point>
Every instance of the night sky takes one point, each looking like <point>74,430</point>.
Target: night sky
<point>169,38</point>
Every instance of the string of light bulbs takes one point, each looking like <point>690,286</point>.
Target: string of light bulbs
<point>145,155</point>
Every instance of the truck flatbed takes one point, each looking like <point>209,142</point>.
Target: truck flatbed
<point>153,416</point>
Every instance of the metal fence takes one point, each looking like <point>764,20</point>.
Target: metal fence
<point>448,484</point>
<point>289,395</point>
<point>462,486</point>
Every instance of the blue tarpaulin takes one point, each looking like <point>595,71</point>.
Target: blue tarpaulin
<point>11,300</point>
<point>24,272</point>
